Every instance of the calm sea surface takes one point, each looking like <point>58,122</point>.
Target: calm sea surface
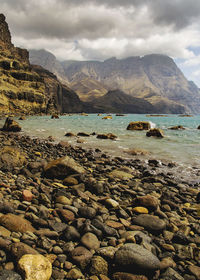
<point>182,147</point>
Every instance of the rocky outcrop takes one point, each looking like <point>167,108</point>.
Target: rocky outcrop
<point>29,89</point>
<point>139,126</point>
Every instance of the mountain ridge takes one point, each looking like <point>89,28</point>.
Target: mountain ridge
<point>154,78</point>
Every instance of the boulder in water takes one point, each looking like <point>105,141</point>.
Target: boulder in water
<point>139,126</point>
<point>11,125</point>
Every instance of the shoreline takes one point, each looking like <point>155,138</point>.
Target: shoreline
<point>96,207</point>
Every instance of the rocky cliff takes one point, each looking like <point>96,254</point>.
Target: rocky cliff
<point>29,89</point>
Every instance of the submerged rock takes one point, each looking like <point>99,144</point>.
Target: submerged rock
<point>139,126</point>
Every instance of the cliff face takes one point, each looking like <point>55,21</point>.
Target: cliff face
<point>29,89</point>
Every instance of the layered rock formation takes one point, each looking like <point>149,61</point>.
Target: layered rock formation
<point>29,89</point>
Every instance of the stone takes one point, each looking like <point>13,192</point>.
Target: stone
<point>83,134</point>
<point>63,200</point>
<point>11,157</point>
<point>27,195</point>
<point>35,267</point>
<point>66,215</point>
<point>109,202</point>
<point>198,127</point>
<point>54,116</point>
<point>155,132</point>
<point>107,252</point>
<point>110,136</point>
<point>62,167</point>
<point>149,222</point>
<point>9,275</point>
<point>70,181</point>
<point>87,212</point>
<point>4,232</point>
<point>119,174</point>
<point>11,125</point>
<point>19,249</point>
<point>135,256</point>
<point>70,134</point>
<point>149,201</point>
<point>107,118</point>
<point>71,234</point>
<point>140,210</point>
<point>81,256</point>
<point>167,262</point>
<point>74,274</point>
<point>171,274</point>
<point>139,125</point>
<point>98,266</point>
<point>195,270</point>
<point>177,127</point>
<point>16,223</point>
<point>90,241</point>
<point>128,276</point>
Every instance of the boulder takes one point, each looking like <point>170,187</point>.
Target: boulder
<point>139,126</point>
<point>107,118</point>
<point>11,126</point>
<point>35,267</point>
<point>63,167</point>
<point>156,132</point>
<point>16,223</point>
<point>55,116</point>
<point>70,134</point>
<point>198,127</point>
<point>22,118</point>
<point>20,249</point>
<point>83,134</point>
<point>107,136</point>
<point>136,257</point>
<point>90,241</point>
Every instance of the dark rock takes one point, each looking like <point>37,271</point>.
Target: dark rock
<point>135,256</point>
<point>155,132</point>
<point>71,234</point>
<point>139,126</point>
<point>11,125</point>
<point>149,222</point>
<point>110,136</point>
<point>81,256</point>
<point>87,212</point>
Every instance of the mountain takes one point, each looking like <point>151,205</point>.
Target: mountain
<point>29,89</point>
<point>155,78</point>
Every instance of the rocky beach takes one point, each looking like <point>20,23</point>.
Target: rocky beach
<point>73,213</point>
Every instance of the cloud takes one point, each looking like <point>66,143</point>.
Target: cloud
<point>99,29</point>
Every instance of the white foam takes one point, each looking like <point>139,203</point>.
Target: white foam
<point>153,125</point>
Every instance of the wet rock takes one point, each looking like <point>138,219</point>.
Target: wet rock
<point>177,127</point>
<point>110,136</point>
<point>9,275</point>
<point>139,126</point>
<point>62,167</point>
<point>16,223</point>
<point>11,125</point>
<point>155,132</point>
<point>149,222</point>
<point>133,255</point>
<point>35,267</point>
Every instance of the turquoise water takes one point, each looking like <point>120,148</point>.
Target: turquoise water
<point>182,147</point>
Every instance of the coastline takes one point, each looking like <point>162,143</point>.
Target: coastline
<point>114,204</point>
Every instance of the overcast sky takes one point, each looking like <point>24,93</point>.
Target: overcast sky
<point>99,29</point>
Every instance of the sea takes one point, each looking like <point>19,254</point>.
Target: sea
<point>178,146</point>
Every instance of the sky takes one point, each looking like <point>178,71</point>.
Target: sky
<point>100,29</point>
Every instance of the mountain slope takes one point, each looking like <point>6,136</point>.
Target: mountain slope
<point>156,78</point>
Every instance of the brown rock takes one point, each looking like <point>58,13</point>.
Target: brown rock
<point>74,274</point>
<point>70,134</point>
<point>62,167</point>
<point>155,132</point>
<point>98,266</point>
<point>16,223</point>
<point>177,127</point>
<point>19,249</point>
<point>11,125</point>
<point>81,256</point>
<point>70,181</point>
<point>11,157</point>
<point>27,195</point>
<point>148,201</point>
<point>114,224</point>
<point>66,215</point>
<point>195,270</point>
<point>90,241</point>
<point>139,126</point>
